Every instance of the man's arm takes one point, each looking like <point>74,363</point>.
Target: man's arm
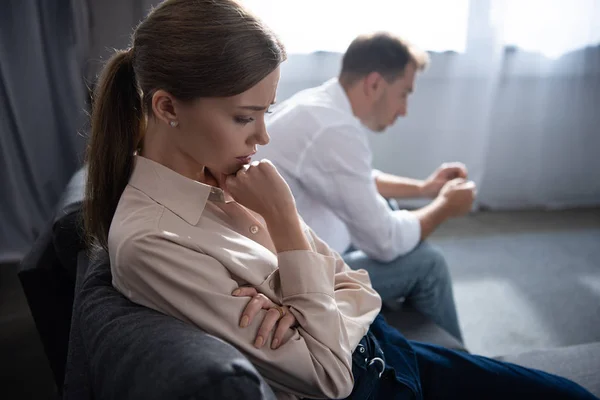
<point>455,199</point>
<point>336,171</point>
<point>397,187</point>
<point>436,212</point>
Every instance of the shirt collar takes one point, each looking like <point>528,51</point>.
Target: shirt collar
<point>338,95</point>
<point>340,99</point>
<point>183,196</point>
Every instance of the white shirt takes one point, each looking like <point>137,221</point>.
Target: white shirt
<point>323,153</point>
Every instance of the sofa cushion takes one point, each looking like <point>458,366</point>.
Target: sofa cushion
<point>133,352</point>
<point>67,227</point>
<point>415,326</point>
<point>579,363</point>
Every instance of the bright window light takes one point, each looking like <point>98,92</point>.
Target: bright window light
<point>551,27</point>
<point>306,26</point>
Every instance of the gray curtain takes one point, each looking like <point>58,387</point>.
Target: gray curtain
<point>50,54</point>
<point>42,112</point>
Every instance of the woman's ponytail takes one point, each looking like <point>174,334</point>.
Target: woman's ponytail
<point>115,134</point>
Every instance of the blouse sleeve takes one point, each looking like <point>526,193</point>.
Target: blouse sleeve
<point>333,304</point>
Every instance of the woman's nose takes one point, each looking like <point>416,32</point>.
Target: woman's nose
<point>262,137</point>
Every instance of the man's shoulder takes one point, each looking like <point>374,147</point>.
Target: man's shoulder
<point>304,125</point>
<point>309,120</point>
<point>314,104</point>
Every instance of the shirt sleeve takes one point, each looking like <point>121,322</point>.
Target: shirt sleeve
<point>336,170</point>
<point>166,273</point>
<point>350,291</point>
<point>356,299</point>
<point>375,173</point>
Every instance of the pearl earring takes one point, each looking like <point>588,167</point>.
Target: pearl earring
<point>173,124</point>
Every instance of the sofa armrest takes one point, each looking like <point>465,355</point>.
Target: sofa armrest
<point>49,294</point>
<point>137,353</point>
<point>68,236</point>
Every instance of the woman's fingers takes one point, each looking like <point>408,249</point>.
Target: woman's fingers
<point>283,325</point>
<point>245,291</point>
<point>257,303</point>
<point>271,318</point>
<point>283,319</point>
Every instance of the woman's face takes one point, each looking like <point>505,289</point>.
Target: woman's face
<point>223,133</point>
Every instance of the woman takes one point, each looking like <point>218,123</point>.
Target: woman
<point>196,230</point>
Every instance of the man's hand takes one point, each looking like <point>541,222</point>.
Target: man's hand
<point>279,315</point>
<point>445,173</point>
<point>458,196</point>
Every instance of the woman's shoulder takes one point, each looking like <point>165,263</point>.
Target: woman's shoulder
<point>137,216</point>
<point>140,223</point>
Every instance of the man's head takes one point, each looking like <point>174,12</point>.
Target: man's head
<point>378,74</point>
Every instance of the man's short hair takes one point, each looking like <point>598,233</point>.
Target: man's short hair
<point>380,52</point>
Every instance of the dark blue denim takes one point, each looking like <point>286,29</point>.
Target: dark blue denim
<point>387,366</point>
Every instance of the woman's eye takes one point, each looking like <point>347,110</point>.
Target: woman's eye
<point>243,120</point>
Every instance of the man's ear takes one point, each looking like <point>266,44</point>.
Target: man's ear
<point>373,85</point>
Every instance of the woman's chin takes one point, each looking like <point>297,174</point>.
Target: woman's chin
<point>234,169</point>
<point>221,173</point>
<point>230,169</point>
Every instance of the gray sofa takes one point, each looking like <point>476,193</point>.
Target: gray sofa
<point>102,346</point>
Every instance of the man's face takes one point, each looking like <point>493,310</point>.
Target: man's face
<point>391,102</point>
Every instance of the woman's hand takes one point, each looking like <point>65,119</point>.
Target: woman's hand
<point>276,315</point>
<point>259,187</point>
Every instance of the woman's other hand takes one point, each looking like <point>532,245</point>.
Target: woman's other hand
<point>276,315</point>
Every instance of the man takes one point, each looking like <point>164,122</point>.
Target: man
<point>319,144</point>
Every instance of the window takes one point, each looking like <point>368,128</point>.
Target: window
<point>330,25</point>
<point>551,27</point>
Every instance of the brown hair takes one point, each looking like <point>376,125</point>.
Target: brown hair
<point>191,49</point>
<point>379,52</point>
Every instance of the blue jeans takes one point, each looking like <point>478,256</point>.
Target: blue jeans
<point>387,366</point>
<point>421,277</point>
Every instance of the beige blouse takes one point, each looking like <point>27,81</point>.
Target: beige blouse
<point>176,246</point>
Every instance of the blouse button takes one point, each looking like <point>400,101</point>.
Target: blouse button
<point>254,229</point>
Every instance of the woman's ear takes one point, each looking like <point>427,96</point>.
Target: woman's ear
<point>163,107</point>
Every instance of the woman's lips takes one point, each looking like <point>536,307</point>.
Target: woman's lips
<point>245,160</point>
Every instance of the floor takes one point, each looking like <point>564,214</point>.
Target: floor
<point>523,281</point>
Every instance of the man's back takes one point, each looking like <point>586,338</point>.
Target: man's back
<point>322,151</point>
<point>297,127</point>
